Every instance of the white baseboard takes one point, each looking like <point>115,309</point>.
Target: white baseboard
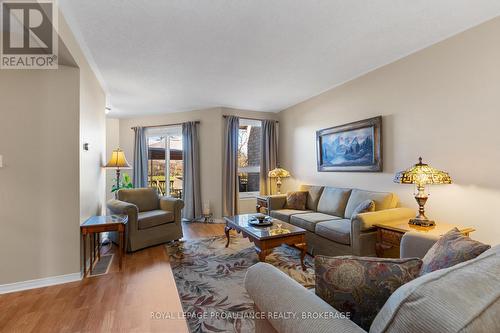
<point>39,283</point>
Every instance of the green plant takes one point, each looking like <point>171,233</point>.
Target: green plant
<point>126,182</point>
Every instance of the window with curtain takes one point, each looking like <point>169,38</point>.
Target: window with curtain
<point>165,164</point>
<point>249,155</point>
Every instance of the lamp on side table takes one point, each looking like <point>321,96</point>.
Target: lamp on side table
<point>279,173</point>
<point>118,161</point>
<point>422,174</point>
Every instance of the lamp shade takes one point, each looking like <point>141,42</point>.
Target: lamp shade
<point>279,172</point>
<point>422,174</point>
<point>117,160</point>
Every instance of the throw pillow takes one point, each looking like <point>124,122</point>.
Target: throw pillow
<point>296,200</point>
<point>451,249</point>
<point>363,207</point>
<point>361,285</point>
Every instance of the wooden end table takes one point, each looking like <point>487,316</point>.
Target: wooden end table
<point>389,235</point>
<point>95,225</point>
<point>267,238</point>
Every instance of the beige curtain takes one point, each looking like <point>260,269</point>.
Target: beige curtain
<point>269,152</point>
<point>230,166</point>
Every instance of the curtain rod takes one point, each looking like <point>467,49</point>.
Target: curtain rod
<point>228,115</point>
<point>166,125</point>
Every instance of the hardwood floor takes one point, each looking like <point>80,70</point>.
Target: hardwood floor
<point>115,302</point>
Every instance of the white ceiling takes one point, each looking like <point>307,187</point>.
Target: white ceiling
<point>160,56</point>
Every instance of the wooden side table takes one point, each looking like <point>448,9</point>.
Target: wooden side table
<point>389,235</point>
<point>95,225</point>
<point>262,205</point>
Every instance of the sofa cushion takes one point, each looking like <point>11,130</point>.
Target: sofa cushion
<point>284,214</point>
<point>154,218</point>
<point>313,195</point>
<point>383,200</point>
<point>451,249</point>
<point>338,231</point>
<point>361,285</point>
<point>296,200</point>
<point>308,221</point>
<point>144,198</point>
<point>333,201</point>
<point>461,298</point>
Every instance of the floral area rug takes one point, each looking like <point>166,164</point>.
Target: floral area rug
<point>209,279</point>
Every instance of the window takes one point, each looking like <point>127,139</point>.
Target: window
<point>249,138</point>
<point>165,149</point>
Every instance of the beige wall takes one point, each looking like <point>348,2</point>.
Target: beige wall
<point>39,191</point>
<point>442,104</point>
<point>112,142</point>
<point>92,130</point>
<point>211,129</point>
<point>48,183</point>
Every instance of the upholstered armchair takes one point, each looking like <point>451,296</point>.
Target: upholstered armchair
<point>152,220</point>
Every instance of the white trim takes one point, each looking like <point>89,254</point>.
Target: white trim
<point>39,283</point>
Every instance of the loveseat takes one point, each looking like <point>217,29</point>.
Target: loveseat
<point>332,227</point>
<point>152,220</point>
<point>461,298</point>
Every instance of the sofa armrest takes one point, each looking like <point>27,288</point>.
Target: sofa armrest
<point>125,208</point>
<point>172,205</point>
<point>416,244</point>
<point>276,202</point>
<point>365,221</point>
<point>296,309</point>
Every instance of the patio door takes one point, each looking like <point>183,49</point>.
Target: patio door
<point>165,164</point>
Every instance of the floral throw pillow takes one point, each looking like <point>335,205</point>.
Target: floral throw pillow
<point>361,285</point>
<point>451,249</point>
<point>296,200</point>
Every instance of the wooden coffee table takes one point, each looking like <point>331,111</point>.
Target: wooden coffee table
<point>267,238</point>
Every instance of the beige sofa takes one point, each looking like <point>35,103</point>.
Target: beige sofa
<point>152,220</point>
<point>331,227</point>
<point>462,298</point>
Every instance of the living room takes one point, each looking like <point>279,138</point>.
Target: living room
<point>265,166</point>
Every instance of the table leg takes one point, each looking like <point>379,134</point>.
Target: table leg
<point>262,254</point>
<point>226,231</point>
<point>84,239</point>
<point>124,246</point>
<point>120,250</point>
<point>98,235</point>
<point>94,246</point>
<point>91,252</point>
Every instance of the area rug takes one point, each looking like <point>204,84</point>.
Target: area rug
<point>209,279</point>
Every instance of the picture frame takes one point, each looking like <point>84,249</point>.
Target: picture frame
<point>353,147</point>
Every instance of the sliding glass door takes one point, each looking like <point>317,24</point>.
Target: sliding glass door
<point>165,164</point>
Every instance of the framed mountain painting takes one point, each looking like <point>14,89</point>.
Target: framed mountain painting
<point>351,147</point>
